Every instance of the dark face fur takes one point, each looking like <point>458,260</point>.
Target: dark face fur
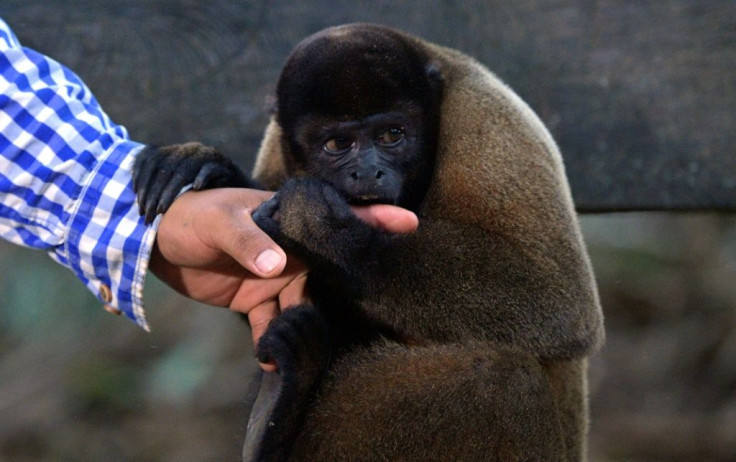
<point>361,114</point>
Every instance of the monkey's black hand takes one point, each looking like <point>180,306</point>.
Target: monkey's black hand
<point>309,218</point>
<point>298,342</point>
<point>159,173</point>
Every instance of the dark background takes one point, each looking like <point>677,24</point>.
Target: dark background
<point>641,97</point>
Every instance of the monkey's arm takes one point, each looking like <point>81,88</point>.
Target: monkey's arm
<point>299,343</point>
<point>445,282</point>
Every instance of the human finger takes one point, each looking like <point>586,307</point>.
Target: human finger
<point>295,293</point>
<point>388,217</point>
<point>259,318</point>
<point>254,291</point>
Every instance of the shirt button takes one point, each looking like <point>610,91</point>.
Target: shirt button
<point>105,293</point>
<point>113,310</point>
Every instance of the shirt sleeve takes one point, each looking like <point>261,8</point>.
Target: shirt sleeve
<point>66,178</point>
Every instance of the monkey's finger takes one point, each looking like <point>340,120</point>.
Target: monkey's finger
<point>264,357</point>
<point>140,164</point>
<point>264,216</point>
<point>151,201</point>
<point>171,191</point>
<point>165,174</point>
<point>269,207</point>
<point>209,175</point>
<point>144,169</point>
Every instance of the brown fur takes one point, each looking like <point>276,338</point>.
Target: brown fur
<point>498,171</point>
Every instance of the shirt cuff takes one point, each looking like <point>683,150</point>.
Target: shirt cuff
<point>108,244</point>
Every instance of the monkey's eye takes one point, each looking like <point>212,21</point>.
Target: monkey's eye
<point>338,145</point>
<point>391,136</point>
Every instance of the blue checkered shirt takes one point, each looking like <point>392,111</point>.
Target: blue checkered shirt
<point>65,178</point>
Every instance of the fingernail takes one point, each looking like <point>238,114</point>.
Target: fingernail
<point>268,260</point>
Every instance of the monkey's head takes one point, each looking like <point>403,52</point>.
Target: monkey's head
<point>360,111</point>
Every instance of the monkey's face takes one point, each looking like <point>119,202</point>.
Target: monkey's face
<point>360,111</point>
<point>369,159</point>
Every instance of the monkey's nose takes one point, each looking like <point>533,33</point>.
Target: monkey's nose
<point>362,175</point>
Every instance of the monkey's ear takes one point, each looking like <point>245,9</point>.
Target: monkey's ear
<point>434,74</point>
<point>271,105</point>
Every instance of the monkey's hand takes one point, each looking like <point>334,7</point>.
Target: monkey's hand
<point>310,219</point>
<point>159,174</point>
<point>298,342</point>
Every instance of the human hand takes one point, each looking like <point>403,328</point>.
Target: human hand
<point>209,249</point>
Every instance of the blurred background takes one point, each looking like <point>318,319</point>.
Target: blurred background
<point>641,97</point>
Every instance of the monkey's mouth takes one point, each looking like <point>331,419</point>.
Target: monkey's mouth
<point>370,199</point>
